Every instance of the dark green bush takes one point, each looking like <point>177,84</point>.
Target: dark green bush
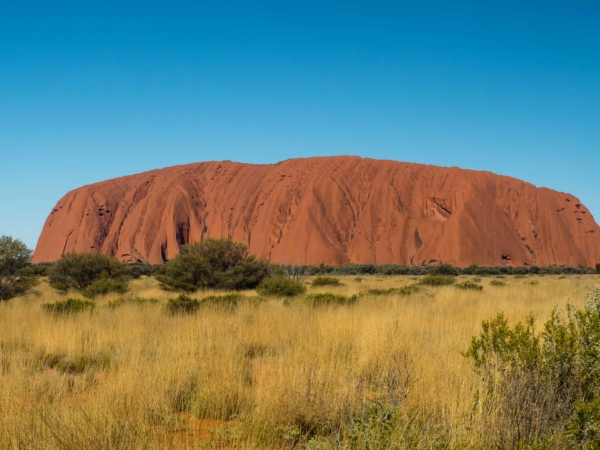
<point>131,301</point>
<point>69,306</point>
<point>326,299</point>
<point>280,287</point>
<point>79,270</point>
<point>446,269</point>
<point>541,386</point>
<point>137,270</point>
<point>436,280</point>
<point>404,290</point>
<point>228,301</point>
<point>469,285</point>
<point>326,281</point>
<point>104,286</point>
<point>213,263</point>
<point>598,267</point>
<point>183,304</point>
<point>15,257</point>
<point>497,283</point>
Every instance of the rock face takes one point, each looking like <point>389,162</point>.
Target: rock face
<point>333,210</point>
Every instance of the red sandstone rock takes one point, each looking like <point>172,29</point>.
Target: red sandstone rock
<point>333,210</point>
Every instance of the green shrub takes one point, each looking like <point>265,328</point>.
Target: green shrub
<point>533,282</point>
<point>213,263</point>
<point>104,286</point>
<point>358,279</point>
<point>183,304</point>
<point>598,267</point>
<point>469,285</point>
<point>138,270</point>
<point>497,283</point>
<point>229,301</point>
<point>326,281</point>
<point>15,257</point>
<point>79,270</point>
<point>131,301</point>
<point>446,269</point>
<point>326,299</point>
<point>404,290</point>
<point>76,364</point>
<point>69,306</point>
<point>541,386</point>
<point>436,280</point>
<point>280,287</point>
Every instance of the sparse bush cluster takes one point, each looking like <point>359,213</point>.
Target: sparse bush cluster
<point>469,286</point>
<point>325,281</point>
<point>444,269</point>
<point>79,270</point>
<point>15,277</point>
<point>280,287</point>
<point>404,290</point>
<point>214,264</point>
<point>436,280</point>
<point>69,306</point>
<point>542,387</point>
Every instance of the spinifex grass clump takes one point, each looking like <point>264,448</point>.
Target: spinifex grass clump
<point>69,306</point>
<point>121,301</point>
<point>184,304</point>
<point>75,364</point>
<point>327,299</point>
<point>436,280</point>
<point>280,287</point>
<point>497,283</point>
<point>469,286</point>
<point>326,281</point>
<point>228,301</point>
<point>404,290</point>
<point>104,286</point>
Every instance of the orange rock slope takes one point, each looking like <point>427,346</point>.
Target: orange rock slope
<point>333,210</point>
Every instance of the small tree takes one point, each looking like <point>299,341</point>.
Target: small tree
<point>213,263</point>
<point>14,257</point>
<point>79,270</point>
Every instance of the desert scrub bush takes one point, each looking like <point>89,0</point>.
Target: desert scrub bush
<point>469,285</point>
<point>436,280</point>
<point>598,267</point>
<point>497,283</point>
<point>541,386</point>
<point>104,286</point>
<point>404,290</point>
<point>15,258</point>
<point>327,299</point>
<point>213,263</point>
<point>227,301</point>
<point>75,364</point>
<point>280,287</point>
<point>183,304</point>
<point>69,306</point>
<point>325,281</point>
<point>132,301</point>
<point>79,270</point>
<point>533,282</point>
<point>446,269</point>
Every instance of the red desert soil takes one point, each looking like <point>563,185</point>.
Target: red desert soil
<point>330,210</point>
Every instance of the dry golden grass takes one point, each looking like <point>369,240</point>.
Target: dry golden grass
<point>135,377</point>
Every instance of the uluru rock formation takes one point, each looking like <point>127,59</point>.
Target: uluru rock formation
<point>333,210</point>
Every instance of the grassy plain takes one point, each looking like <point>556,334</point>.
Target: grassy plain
<point>267,375</point>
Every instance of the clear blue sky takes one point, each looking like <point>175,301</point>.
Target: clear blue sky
<point>95,91</point>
